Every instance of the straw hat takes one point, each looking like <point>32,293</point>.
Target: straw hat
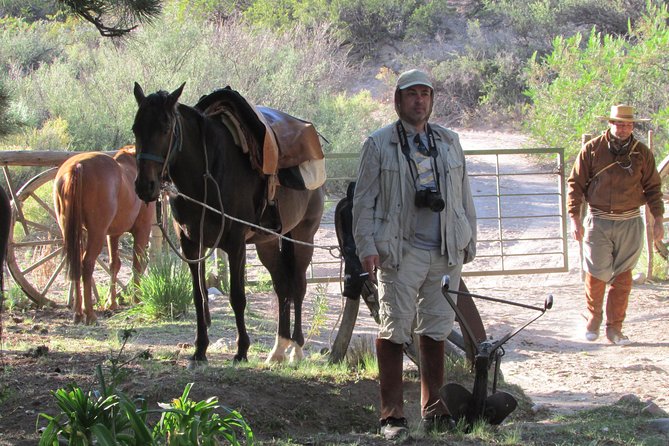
<point>623,113</point>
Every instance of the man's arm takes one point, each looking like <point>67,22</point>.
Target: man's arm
<point>364,201</point>
<point>576,192</point>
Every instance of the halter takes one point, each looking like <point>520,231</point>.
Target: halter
<point>176,138</point>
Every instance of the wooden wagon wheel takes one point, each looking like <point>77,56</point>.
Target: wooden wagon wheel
<point>34,252</point>
<point>662,247</point>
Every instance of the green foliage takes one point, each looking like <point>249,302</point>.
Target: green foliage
<point>166,290</point>
<point>31,10</point>
<point>16,300</point>
<point>580,80</point>
<point>319,310</point>
<point>281,15</point>
<point>186,422</point>
<point>428,19</point>
<point>87,81</point>
<point>481,85</point>
<point>109,417</point>
<point>365,23</point>
<point>538,21</point>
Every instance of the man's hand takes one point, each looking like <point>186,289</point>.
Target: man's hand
<point>370,264</point>
<point>658,230</point>
<point>577,229</point>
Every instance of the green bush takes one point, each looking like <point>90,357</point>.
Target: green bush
<point>482,85</point>
<point>109,417</point>
<point>89,84</point>
<point>165,291</point>
<point>581,79</point>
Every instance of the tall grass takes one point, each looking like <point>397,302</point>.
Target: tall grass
<point>165,291</point>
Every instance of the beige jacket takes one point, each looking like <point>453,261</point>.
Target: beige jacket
<point>383,205</point>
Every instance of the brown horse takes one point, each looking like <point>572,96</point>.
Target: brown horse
<point>199,156</point>
<point>96,192</point>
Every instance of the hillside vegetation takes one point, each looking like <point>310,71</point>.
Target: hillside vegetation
<point>545,67</point>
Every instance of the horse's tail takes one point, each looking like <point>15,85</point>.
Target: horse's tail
<point>71,220</point>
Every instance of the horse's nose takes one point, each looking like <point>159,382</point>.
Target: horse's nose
<point>146,189</point>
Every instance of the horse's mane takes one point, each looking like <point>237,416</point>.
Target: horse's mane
<point>129,149</point>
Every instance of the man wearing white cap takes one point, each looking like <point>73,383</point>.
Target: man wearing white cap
<point>615,174</point>
<point>413,220</point>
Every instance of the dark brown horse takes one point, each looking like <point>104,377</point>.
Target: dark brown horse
<point>198,155</point>
<point>95,192</point>
<point>5,218</point>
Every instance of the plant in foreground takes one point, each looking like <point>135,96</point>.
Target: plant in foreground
<point>110,418</point>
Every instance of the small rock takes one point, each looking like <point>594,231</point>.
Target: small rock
<point>213,291</point>
<point>639,278</point>
<point>654,409</point>
<point>539,407</point>
<point>630,398</point>
<point>660,425</point>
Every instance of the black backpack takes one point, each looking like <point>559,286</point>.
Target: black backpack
<point>353,282</point>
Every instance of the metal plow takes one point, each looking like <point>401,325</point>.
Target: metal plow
<point>477,404</point>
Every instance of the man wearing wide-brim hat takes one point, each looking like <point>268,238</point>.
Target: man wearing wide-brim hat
<point>615,174</point>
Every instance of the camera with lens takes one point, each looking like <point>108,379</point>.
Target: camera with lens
<point>430,198</point>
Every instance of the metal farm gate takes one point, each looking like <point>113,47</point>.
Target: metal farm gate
<point>519,196</point>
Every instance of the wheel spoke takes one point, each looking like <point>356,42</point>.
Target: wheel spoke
<point>41,261</point>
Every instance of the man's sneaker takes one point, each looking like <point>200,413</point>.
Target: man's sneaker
<point>617,337</point>
<point>437,423</point>
<point>591,335</point>
<point>394,428</point>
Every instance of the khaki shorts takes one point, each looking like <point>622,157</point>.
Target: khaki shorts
<point>413,291</point>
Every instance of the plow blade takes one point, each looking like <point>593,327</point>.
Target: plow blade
<point>461,403</point>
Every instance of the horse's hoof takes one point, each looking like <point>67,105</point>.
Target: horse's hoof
<point>194,364</point>
<point>92,320</point>
<point>239,359</point>
<point>78,318</point>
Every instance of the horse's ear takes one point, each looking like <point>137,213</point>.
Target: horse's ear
<point>174,96</point>
<point>139,94</point>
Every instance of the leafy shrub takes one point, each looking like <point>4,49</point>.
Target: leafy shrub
<point>538,21</point>
<point>109,417</point>
<point>482,85</point>
<point>166,290</point>
<point>89,85</point>
<point>365,23</point>
<point>581,79</point>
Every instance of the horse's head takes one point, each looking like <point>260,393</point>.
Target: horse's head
<point>154,128</point>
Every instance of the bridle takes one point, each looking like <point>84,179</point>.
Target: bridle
<point>176,141</point>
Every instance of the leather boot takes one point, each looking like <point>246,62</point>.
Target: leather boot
<point>434,413</point>
<point>390,356</point>
<point>594,297</point>
<point>616,307</point>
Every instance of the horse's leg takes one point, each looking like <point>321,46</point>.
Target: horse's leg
<point>279,267</point>
<point>77,310</point>
<point>190,251</point>
<point>114,268</point>
<point>93,248</point>
<point>237,264</point>
<point>140,258</point>
<point>302,257</point>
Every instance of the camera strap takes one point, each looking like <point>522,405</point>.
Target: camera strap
<point>431,147</point>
